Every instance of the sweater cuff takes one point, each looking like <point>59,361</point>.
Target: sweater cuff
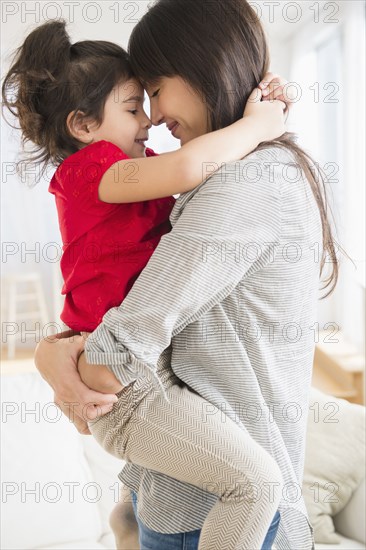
<point>101,348</point>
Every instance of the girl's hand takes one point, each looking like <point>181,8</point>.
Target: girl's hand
<point>98,377</point>
<point>274,86</point>
<point>268,119</point>
<point>56,359</point>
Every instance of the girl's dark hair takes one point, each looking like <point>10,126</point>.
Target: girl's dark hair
<point>50,77</point>
<point>220,49</point>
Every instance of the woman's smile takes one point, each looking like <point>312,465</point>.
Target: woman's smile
<point>173,128</point>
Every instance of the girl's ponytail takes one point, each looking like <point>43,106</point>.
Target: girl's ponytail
<point>36,69</point>
<point>50,78</point>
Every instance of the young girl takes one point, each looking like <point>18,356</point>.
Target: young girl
<point>83,109</point>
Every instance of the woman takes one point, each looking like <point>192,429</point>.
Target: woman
<point>233,287</point>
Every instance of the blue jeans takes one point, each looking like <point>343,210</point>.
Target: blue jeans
<point>152,540</point>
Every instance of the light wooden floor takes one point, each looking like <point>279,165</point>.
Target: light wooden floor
<point>21,363</point>
<point>19,354</point>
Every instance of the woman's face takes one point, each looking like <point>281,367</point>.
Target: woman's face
<point>174,103</point>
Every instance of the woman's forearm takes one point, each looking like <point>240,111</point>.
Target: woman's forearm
<point>48,353</point>
<point>57,359</point>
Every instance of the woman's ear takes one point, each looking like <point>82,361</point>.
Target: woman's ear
<point>79,126</point>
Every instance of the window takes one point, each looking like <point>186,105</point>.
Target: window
<point>328,66</point>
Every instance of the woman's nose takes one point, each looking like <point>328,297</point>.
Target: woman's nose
<point>155,115</point>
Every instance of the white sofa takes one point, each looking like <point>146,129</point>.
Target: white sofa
<point>59,487</point>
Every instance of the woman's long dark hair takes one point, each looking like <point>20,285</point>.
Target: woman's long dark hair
<point>50,77</point>
<point>220,49</point>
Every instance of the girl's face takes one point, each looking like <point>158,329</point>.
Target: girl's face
<point>174,102</point>
<point>125,122</point>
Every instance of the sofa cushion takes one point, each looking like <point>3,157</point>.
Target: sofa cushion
<point>335,460</point>
<point>343,544</point>
<point>105,469</point>
<point>43,462</point>
<point>351,520</point>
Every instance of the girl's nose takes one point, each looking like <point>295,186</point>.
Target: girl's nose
<point>147,123</point>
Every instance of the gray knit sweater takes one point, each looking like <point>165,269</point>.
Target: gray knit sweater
<point>233,288</point>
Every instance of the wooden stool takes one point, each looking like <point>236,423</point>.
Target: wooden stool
<point>24,300</point>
